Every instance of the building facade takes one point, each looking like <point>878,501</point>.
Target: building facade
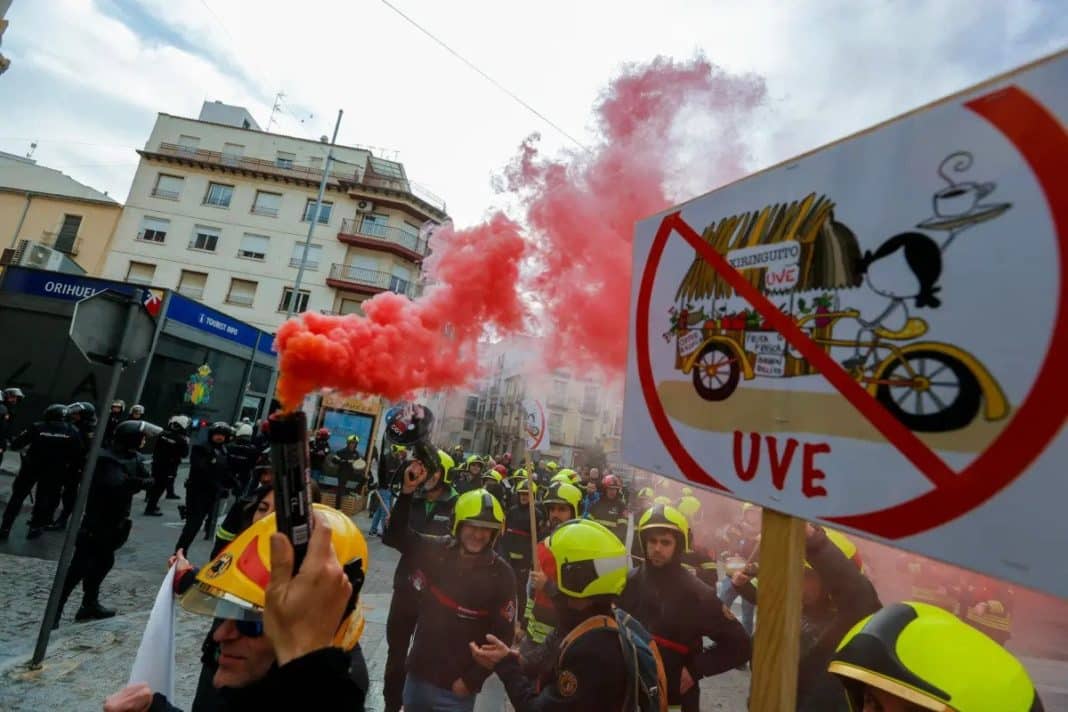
<point>219,211</point>
<point>582,413</point>
<point>48,217</point>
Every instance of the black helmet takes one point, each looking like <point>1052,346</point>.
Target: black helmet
<point>408,423</point>
<point>220,427</point>
<point>85,410</point>
<point>129,435</point>
<point>55,413</point>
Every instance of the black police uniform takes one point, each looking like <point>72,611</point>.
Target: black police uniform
<point>612,513</point>
<point>171,448</point>
<point>7,424</point>
<point>679,611</point>
<point>209,479</point>
<point>54,448</point>
<point>433,518</point>
<point>104,528</point>
<point>109,426</point>
<point>243,455</point>
<point>589,675</point>
<point>461,599</point>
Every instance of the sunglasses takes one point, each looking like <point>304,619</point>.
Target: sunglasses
<point>249,629</point>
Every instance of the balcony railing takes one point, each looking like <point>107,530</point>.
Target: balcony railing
<point>385,233</point>
<point>166,194</point>
<point>341,172</point>
<point>378,281</point>
<point>308,264</point>
<point>265,210</point>
<point>59,243</point>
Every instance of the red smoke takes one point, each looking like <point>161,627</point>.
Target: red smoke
<point>581,211</point>
<point>402,345</point>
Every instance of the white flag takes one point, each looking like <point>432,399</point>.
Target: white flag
<point>154,663</point>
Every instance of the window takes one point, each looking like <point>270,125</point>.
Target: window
<point>168,187</point>
<point>141,272</point>
<point>219,195</point>
<point>556,426</point>
<point>254,247</point>
<point>586,432</point>
<point>374,224</point>
<point>315,253</point>
<point>589,399</point>
<point>188,144</point>
<point>66,239</point>
<point>400,281</point>
<point>285,159</point>
<point>191,284</point>
<point>204,238</point>
<point>242,292</point>
<point>324,211</point>
<point>351,306</point>
<point>232,153</point>
<point>267,203</point>
<point>153,229</point>
<point>302,300</point>
<point>558,397</point>
<point>472,406</point>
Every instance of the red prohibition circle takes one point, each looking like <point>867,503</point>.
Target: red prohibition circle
<point>1043,144</point>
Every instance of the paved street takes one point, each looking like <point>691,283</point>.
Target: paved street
<point>86,661</point>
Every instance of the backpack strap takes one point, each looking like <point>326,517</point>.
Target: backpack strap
<point>591,623</point>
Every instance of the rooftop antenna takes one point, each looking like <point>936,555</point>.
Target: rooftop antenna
<point>33,147</point>
<point>275,109</point>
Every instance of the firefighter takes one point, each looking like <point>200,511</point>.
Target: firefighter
<point>493,482</point>
<point>834,596</point>
<point>243,454</point>
<point>700,560</point>
<point>610,510</point>
<point>466,591</point>
<point>118,476</point>
<point>431,515</point>
<point>82,416</point>
<point>516,545</point>
<point>680,610</point>
<point>54,448</point>
<point>116,415</point>
<point>350,464</point>
<point>588,670</point>
<point>318,451</point>
<point>737,545</point>
<point>171,448</point>
<point>914,656</point>
<point>457,453</point>
<point>209,479</point>
<point>469,476</point>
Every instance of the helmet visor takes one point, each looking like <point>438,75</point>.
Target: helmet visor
<point>205,600</point>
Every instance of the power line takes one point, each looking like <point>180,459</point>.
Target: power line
<point>485,76</point>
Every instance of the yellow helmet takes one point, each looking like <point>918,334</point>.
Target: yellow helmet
<point>564,493</point>
<point>689,506</point>
<point>525,485</point>
<point>234,583</point>
<point>662,500</point>
<point>929,657</point>
<point>646,492</point>
<point>551,466</point>
<point>664,516</point>
<point>844,544</point>
<point>686,492</point>
<point>589,559</point>
<point>478,508</point>
<point>520,474</point>
<point>492,475</point>
<point>572,476</point>
<point>447,463</point>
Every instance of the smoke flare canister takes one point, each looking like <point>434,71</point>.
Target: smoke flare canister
<point>288,434</point>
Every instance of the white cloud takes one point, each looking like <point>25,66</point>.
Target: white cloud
<point>832,68</point>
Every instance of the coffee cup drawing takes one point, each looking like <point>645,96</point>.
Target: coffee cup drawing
<point>960,198</point>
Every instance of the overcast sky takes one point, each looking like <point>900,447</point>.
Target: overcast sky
<point>88,76</point>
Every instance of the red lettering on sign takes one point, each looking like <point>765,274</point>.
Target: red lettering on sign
<point>749,471</point>
<point>810,473</point>
<point>746,467</point>
<point>780,466</point>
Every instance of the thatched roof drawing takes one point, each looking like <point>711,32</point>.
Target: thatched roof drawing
<point>829,249</point>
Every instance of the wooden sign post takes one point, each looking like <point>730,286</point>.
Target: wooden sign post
<point>777,644</point>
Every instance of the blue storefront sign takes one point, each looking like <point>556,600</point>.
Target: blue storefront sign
<point>58,285</point>
<point>267,345</point>
<point>210,321</point>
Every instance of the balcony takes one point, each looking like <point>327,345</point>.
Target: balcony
<point>369,281</point>
<point>166,194</point>
<point>66,244</point>
<point>365,233</point>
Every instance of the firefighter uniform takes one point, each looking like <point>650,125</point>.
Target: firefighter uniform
<point>461,598</point>
<point>516,542</point>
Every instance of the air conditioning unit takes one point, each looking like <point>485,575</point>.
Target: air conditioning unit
<point>364,206</point>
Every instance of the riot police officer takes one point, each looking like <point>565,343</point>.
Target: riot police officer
<point>54,447</point>
<point>120,473</point>
<point>11,399</point>
<point>243,453</point>
<point>115,416</point>
<point>209,478</point>
<point>82,415</point>
<point>171,448</point>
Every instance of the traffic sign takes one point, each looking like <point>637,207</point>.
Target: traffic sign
<point>97,325</point>
<point>875,333</point>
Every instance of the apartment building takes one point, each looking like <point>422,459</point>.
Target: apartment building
<point>486,418</point>
<point>219,211</point>
<point>50,221</point>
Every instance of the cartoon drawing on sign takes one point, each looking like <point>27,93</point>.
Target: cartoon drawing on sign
<point>799,251</point>
<point>199,387</point>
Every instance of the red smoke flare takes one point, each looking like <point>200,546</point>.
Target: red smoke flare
<point>581,210</point>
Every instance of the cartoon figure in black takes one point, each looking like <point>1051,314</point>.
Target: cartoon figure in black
<point>904,268</point>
